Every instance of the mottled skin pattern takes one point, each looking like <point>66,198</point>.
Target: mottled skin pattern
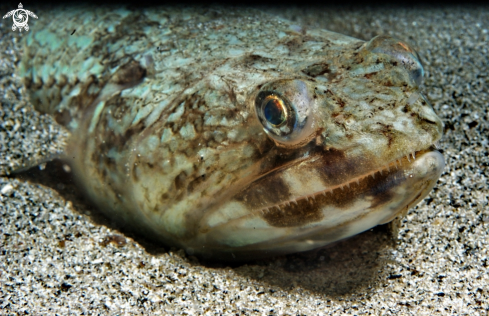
<point>164,108</point>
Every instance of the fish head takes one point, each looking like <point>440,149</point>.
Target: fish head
<point>343,156</point>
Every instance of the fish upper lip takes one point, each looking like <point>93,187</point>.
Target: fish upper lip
<point>387,168</point>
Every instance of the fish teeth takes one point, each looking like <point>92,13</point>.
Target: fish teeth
<point>414,155</point>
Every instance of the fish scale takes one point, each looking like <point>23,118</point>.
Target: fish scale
<point>169,133</point>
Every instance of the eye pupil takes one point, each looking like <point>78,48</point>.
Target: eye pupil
<point>275,111</point>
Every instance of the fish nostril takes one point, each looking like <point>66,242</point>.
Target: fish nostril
<point>426,112</point>
<point>430,121</point>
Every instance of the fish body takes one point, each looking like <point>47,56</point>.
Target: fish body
<point>235,134</point>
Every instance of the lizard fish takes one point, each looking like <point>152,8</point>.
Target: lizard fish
<point>235,134</point>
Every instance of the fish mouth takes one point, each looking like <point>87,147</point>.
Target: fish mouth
<point>356,184</point>
<point>333,213</point>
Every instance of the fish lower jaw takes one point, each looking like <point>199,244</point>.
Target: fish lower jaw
<point>323,217</point>
<point>398,164</point>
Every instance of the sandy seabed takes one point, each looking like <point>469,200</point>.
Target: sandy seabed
<point>58,256</point>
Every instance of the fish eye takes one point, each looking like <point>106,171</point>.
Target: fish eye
<point>283,109</point>
<point>406,56</point>
<point>276,114</point>
<point>274,110</point>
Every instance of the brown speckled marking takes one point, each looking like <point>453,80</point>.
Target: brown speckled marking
<point>293,215</point>
<point>130,74</point>
<point>271,190</point>
<point>317,70</point>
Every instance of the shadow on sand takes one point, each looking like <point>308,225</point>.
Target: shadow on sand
<point>347,267</point>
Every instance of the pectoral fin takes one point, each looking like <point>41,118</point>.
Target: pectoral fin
<point>29,141</point>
